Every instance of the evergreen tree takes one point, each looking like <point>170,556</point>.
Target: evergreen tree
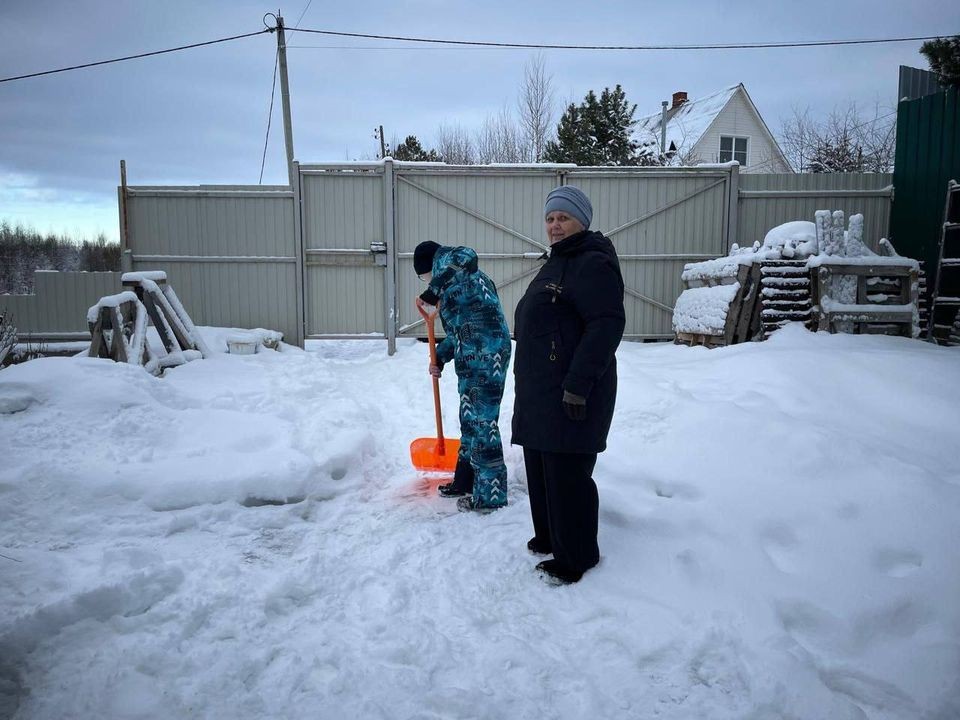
<point>597,132</point>
<point>943,54</point>
<point>411,150</point>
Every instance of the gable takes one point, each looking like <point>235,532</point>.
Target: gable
<point>740,118</point>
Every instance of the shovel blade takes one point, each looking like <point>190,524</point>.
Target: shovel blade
<point>426,455</point>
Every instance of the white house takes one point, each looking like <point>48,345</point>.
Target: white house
<point>720,127</point>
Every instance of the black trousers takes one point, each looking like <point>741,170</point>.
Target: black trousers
<point>564,504</point>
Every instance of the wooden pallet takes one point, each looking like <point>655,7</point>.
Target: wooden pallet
<point>893,315</point>
<point>702,339</point>
<point>785,294</point>
<point>742,321</point>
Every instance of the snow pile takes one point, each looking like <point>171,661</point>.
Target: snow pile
<point>791,240</point>
<point>155,276</point>
<point>797,238</point>
<point>703,310</point>
<point>710,271</point>
<point>245,538</point>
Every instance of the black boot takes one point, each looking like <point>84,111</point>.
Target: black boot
<point>462,481</point>
<point>539,547</point>
<point>557,574</point>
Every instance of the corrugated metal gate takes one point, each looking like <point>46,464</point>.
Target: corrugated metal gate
<point>343,221</point>
<point>658,219</point>
<point>496,211</point>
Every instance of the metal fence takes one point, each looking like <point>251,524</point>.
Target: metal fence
<point>927,158</point>
<point>766,201</point>
<point>332,256</point>
<point>57,309</point>
<point>231,252</point>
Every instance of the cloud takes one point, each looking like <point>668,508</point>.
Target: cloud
<point>26,201</point>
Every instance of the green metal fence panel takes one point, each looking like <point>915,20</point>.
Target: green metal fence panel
<point>927,157</point>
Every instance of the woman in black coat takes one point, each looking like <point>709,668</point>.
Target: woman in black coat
<point>568,326</point>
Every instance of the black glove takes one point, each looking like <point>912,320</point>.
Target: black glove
<point>574,406</point>
<point>429,297</point>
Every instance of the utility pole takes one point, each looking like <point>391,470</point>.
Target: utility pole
<point>383,145</point>
<point>285,98</point>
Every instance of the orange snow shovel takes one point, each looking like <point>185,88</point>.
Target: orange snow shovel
<point>434,454</point>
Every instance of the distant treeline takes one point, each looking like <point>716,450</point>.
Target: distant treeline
<point>24,250</point>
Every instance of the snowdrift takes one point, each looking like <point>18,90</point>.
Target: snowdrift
<point>244,538</point>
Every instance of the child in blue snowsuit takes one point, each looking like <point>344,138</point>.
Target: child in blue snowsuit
<point>478,342</point>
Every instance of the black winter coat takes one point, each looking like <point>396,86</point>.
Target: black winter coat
<point>568,326</point>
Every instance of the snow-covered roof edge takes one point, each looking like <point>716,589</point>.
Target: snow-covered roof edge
<point>651,123</point>
<point>686,116</point>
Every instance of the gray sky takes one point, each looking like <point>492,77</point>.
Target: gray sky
<point>199,116</point>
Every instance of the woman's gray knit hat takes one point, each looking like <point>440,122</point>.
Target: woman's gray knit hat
<point>571,200</point>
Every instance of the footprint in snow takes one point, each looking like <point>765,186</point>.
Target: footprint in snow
<point>897,562</point>
<point>779,543</point>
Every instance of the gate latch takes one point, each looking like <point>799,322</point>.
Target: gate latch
<point>379,250</point>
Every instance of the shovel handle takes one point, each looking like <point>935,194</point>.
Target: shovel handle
<point>429,318</point>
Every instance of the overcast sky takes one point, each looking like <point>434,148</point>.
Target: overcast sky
<point>199,116</point>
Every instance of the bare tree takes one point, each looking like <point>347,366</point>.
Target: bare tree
<point>535,107</point>
<point>878,137</point>
<point>798,138</point>
<point>454,145</point>
<point>499,140</point>
<point>847,140</point>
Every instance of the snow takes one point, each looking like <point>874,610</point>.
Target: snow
<point>797,238</point>
<point>713,270</point>
<point>110,301</point>
<point>155,276</point>
<point>245,538</point>
<point>703,310</point>
<point>866,260</point>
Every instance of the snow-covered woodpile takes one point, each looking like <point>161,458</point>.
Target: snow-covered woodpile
<point>820,273</point>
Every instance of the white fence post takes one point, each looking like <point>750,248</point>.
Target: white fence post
<point>300,252</point>
<point>733,209</point>
<point>390,271</point>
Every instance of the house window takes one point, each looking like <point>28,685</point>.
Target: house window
<point>733,148</point>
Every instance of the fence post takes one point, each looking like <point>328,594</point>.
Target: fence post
<point>390,271</point>
<point>126,252</point>
<point>733,209</point>
<point>300,252</point>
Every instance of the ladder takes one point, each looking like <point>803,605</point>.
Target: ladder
<point>945,301</point>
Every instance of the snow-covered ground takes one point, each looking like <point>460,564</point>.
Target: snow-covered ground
<point>245,538</point>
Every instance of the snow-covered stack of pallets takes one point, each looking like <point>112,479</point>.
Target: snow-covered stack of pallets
<point>818,273</point>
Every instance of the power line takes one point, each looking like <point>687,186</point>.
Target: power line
<point>273,91</point>
<point>134,57</point>
<point>297,24</point>
<point>541,46</point>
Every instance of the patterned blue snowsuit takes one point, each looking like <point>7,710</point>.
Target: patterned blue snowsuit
<point>478,342</point>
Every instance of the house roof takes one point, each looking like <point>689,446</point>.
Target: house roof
<point>687,123</point>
